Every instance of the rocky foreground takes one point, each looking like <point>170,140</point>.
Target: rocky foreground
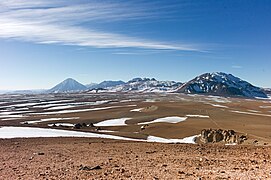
<point>87,158</point>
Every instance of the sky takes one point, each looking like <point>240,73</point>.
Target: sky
<point>44,42</point>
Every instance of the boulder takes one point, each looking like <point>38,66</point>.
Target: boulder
<point>219,135</point>
<point>77,126</point>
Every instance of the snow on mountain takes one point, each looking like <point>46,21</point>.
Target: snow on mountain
<point>223,84</point>
<point>105,84</point>
<point>267,90</point>
<point>145,85</point>
<point>89,86</point>
<point>68,85</point>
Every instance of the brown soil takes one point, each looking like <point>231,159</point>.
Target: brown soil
<point>87,158</point>
<point>256,127</point>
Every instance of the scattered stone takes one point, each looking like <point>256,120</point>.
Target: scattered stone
<point>150,152</point>
<point>77,126</point>
<point>87,168</point>
<point>97,129</point>
<point>91,125</point>
<point>143,127</point>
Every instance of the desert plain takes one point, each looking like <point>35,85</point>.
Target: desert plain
<point>132,136</point>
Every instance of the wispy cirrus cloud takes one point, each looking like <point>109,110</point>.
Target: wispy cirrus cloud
<point>236,67</point>
<point>59,22</point>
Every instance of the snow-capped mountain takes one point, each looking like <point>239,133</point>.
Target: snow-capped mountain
<point>267,91</point>
<point>221,84</point>
<point>89,86</point>
<point>146,85</point>
<point>105,84</point>
<point>68,85</point>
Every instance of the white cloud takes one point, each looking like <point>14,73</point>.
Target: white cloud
<point>237,67</point>
<point>61,23</point>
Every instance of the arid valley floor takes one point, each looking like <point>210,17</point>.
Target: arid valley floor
<point>120,116</point>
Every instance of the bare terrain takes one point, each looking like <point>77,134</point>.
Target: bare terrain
<point>85,158</point>
<point>136,116</point>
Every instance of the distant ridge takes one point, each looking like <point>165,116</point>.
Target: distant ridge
<point>105,84</point>
<point>146,85</point>
<point>68,85</point>
<point>217,83</point>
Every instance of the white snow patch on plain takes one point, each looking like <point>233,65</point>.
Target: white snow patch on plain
<point>150,100</point>
<point>46,105</point>
<point>218,105</point>
<point>80,110</point>
<point>107,131</point>
<point>218,99</point>
<point>61,107</point>
<point>113,122</point>
<point>12,116</point>
<point>188,140</point>
<point>13,112</point>
<point>265,107</point>
<point>172,119</point>
<point>255,111</point>
<point>9,119</point>
<point>28,132</point>
<point>199,116</point>
<point>61,124</point>
<point>24,104</point>
<point>137,110</point>
<point>250,113</point>
<point>129,100</point>
<point>49,119</point>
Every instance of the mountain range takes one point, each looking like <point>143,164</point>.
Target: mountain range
<point>217,83</point>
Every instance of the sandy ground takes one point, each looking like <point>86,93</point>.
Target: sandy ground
<point>87,158</point>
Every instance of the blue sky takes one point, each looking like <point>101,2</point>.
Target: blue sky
<point>44,42</point>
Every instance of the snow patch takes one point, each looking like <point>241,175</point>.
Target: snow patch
<point>218,105</point>
<point>172,119</point>
<point>30,132</point>
<point>188,140</point>
<point>199,116</point>
<point>113,122</point>
<point>60,107</point>
<point>250,113</point>
<point>251,110</point>
<point>12,116</point>
<point>80,110</point>
<point>49,119</point>
<point>218,99</point>
<point>61,124</point>
<point>265,107</point>
<point>137,110</point>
